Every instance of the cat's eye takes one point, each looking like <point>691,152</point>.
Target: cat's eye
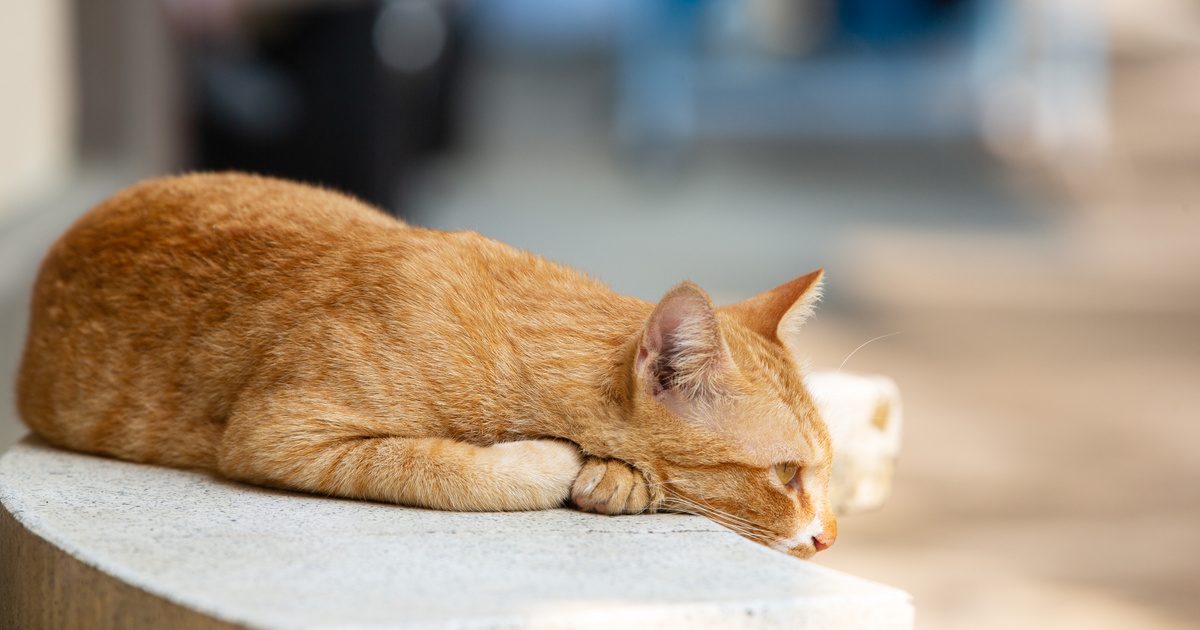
<point>786,472</point>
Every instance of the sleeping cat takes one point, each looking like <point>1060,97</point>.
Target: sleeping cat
<point>289,336</point>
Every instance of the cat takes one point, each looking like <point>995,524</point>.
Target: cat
<point>289,336</point>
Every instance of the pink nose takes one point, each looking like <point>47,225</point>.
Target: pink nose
<point>824,540</point>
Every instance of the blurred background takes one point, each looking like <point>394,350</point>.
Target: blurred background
<point>1009,190</point>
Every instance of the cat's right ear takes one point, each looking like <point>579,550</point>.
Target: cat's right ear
<point>778,314</point>
<point>681,354</point>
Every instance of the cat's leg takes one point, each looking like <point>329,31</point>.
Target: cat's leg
<point>315,448</point>
<point>609,486</point>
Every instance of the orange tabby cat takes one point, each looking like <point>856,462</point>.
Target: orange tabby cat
<point>289,336</point>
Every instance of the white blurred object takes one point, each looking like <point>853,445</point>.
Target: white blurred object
<point>864,417</point>
<point>1043,82</point>
<point>790,27</point>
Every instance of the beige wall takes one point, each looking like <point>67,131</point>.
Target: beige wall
<point>35,100</point>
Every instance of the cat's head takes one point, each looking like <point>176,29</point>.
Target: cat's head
<point>730,430</point>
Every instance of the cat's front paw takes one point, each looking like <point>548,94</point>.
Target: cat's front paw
<point>608,486</point>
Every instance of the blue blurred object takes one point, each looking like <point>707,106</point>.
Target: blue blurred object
<point>829,69</point>
<point>673,89</point>
<point>544,26</point>
<point>885,69</point>
<point>883,21</point>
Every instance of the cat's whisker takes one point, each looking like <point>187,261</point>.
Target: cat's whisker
<point>712,509</point>
<point>720,515</point>
<point>754,533</point>
<point>865,344</point>
<point>734,523</point>
<point>708,510</point>
<point>725,517</point>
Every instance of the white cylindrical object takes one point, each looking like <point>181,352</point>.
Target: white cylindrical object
<point>864,417</point>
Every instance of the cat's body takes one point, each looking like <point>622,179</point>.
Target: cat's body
<point>289,336</point>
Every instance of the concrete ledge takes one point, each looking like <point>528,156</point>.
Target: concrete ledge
<point>269,559</point>
<point>41,586</point>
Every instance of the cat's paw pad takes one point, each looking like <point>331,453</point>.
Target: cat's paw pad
<point>608,486</point>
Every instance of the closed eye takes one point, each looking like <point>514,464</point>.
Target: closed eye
<point>788,474</point>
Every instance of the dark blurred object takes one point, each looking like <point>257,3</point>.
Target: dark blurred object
<point>895,21</point>
<point>348,95</point>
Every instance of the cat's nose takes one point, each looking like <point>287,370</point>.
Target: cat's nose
<point>825,539</point>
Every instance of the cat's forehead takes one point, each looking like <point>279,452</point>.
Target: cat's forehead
<point>769,369</point>
<point>768,431</point>
<point>775,418</point>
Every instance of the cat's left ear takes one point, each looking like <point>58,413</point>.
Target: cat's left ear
<point>778,314</point>
<point>682,357</point>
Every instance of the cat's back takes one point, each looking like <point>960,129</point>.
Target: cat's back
<point>202,209</point>
<point>156,302</point>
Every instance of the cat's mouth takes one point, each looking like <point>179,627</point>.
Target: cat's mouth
<point>813,537</point>
<point>792,547</point>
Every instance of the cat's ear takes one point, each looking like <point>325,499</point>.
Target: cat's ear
<point>682,355</point>
<point>778,314</point>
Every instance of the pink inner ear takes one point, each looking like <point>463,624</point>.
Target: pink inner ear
<point>671,314</point>
<point>685,308</point>
<point>680,343</point>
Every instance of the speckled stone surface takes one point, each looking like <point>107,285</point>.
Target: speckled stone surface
<point>280,560</point>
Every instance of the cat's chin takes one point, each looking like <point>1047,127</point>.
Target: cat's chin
<point>791,548</point>
<point>804,553</point>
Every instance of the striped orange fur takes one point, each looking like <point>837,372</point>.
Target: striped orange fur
<point>289,336</point>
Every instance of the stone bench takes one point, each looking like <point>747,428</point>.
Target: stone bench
<point>98,543</point>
